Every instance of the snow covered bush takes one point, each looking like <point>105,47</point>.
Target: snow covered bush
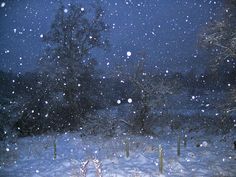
<point>112,121</point>
<point>9,102</point>
<point>99,125</point>
<point>4,118</point>
<point>9,115</point>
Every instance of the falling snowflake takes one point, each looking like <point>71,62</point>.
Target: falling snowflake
<point>204,144</point>
<point>118,102</point>
<point>3,4</point>
<point>65,10</point>
<point>130,100</point>
<point>129,54</point>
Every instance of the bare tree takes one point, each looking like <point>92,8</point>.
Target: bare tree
<point>219,38</point>
<point>67,61</point>
<point>152,90</point>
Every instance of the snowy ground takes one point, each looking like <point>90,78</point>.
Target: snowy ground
<point>34,156</point>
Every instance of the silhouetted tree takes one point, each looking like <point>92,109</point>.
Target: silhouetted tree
<point>219,38</point>
<point>152,91</point>
<point>67,62</point>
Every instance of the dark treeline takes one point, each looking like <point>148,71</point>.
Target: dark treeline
<point>111,89</point>
<point>24,110</point>
<point>24,83</point>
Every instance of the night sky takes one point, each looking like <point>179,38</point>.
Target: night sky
<point>165,30</point>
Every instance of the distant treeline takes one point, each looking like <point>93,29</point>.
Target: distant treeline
<point>12,84</point>
<point>23,108</point>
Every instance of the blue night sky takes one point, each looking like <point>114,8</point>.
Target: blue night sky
<point>166,30</point>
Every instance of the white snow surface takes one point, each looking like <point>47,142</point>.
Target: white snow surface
<point>34,156</point>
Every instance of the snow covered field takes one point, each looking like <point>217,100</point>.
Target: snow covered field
<point>204,155</point>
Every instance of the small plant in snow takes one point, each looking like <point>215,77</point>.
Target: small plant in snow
<point>160,159</point>
<point>178,146</point>
<point>54,149</point>
<point>185,140</point>
<point>127,148</point>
